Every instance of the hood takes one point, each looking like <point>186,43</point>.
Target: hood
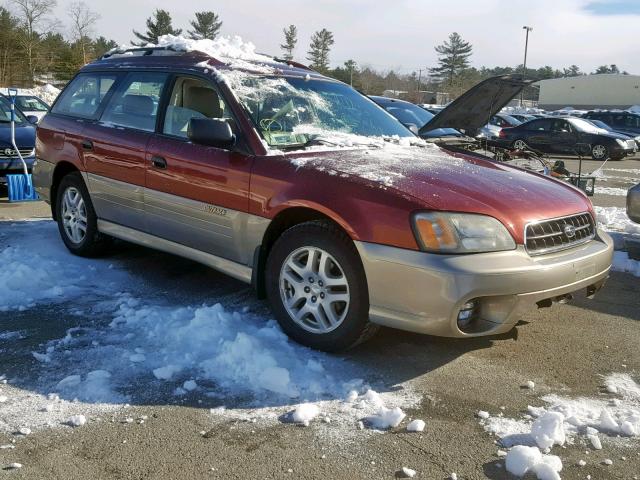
<point>616,135</point>
<point>476,106</point>
<point>454,182</point>
<point>25,136</point>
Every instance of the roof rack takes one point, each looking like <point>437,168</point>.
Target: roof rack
<point>143,51</point>
<point>291,63</point>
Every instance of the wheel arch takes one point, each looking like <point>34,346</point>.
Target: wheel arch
<point>60,171</point>
<point>282,221</point>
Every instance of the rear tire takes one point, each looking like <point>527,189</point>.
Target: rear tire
<point>317,287</point>
<point>77,220</point>
<point>599,152</point>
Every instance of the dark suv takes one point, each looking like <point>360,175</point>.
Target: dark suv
<point>301,186</point>
<point>623,122</point>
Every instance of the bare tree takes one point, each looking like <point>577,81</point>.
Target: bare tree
<point>82,21</point>
<point>32,15</point>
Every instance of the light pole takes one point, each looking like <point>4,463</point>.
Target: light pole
<point>524,65</point>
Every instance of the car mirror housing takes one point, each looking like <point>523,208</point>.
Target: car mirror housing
<point>33,119</point>
<point>213,132</point>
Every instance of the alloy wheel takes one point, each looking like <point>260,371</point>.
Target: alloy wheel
<point>599,151</point>
<point>74,215</point>
<point>314,290</point>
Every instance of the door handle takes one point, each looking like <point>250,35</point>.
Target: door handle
<point>159,162</point>
<point>87,145</point>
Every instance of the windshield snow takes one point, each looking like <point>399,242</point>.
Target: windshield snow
<point>294,112</point>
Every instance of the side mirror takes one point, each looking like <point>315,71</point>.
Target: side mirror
<point>413,127</point>
<point>33,119</point>
<point>213,132</point>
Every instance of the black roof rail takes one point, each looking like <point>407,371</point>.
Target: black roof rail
<point>144,50</point>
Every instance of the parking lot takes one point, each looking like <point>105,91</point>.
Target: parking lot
<point>177,393</point>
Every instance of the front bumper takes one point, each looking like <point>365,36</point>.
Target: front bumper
<point>424,293</point>
<point>13,166</point>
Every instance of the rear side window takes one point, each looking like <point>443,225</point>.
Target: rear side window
<point>83,96</point>
<point>135,103</point>
<point>540,125</point>
<point>632,121</point>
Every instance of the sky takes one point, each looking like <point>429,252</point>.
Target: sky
<point>401,34</point>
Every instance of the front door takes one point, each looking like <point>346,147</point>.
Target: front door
<point>197,195</point>
<point>115,149</point>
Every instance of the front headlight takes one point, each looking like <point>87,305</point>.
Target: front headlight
<point>449,232</point>
<point>622,143</point>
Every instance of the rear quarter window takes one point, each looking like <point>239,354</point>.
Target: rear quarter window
<point>84,95</point>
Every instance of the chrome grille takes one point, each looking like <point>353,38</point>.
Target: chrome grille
<point>548,236</point>
<point>9,153</point>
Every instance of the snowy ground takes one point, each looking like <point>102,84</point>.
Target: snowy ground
<point>140,347</point>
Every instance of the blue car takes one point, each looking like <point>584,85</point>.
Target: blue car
<point>25,140</point>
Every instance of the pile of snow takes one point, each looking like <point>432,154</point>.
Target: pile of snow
<point>135,346</point>
<point>31,275</point>
<point>232,50</point>
<point>46,92</point>
<point>522,460</point>
<point>416,426</point>
<point>615,219</point>
<point>305,413</point>
<point>565,418</point>
<point>622,263</point>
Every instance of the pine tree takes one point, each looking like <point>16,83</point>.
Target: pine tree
<point>318,54</point>
<point>290,40</point>
<point>205,26</point>
<point>613,68</point>
<point>453,58</point>
<point>101,45</point>
<point>155,29</point>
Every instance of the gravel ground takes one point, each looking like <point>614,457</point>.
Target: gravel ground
<point>565,349</point>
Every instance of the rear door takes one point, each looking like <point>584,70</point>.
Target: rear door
<point>115,148</point>
<point>197,195</point>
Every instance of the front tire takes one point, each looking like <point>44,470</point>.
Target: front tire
<point>77,220</point>
<point>317,287</point>
<point>599,152</point>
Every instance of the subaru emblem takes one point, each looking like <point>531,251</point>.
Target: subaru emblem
<point>569,231</point>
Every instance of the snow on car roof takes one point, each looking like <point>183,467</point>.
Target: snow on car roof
<point>230,51</point>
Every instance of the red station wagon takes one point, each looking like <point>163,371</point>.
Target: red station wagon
<point>301,186</point>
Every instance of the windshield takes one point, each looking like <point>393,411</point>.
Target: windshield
<point>408,113</point>
<point>31,104</point>
<point>293,112</point>
<point>601,124</point>
<point>514,122</point>
<point>5,112</point>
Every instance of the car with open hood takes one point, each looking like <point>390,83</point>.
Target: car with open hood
<point>25,140</point>
<point>301,186</point>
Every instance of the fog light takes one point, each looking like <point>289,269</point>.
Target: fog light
<point>468,313</point>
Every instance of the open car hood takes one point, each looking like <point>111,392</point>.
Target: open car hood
<point>476,106</point>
